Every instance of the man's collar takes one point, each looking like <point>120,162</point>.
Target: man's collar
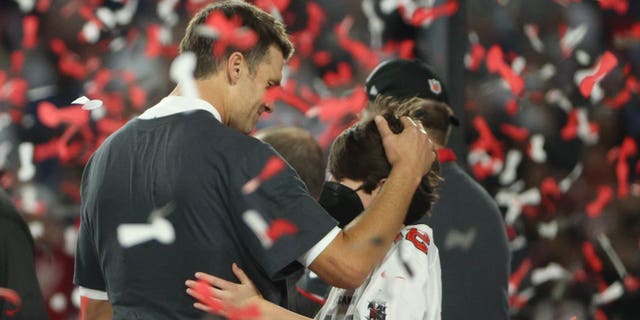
<point>175,104</point>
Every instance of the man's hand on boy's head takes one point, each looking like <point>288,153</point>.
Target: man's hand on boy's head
<point>411,149</point>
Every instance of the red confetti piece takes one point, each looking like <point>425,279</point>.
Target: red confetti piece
<point>446,155</point>
<point>631,86</point>
<point>619,6</point>
<point>570,129</point>
<point>334,129</point>
<point>267,5</point>
<point>229,32</point>
<point>422,16</point>
<point>516,278</point>
<point>16,91</point>
<point>30,32</point>
<point>600,315</point>
<point>273,166</point>
<point>606,63</point>
<point>342,76</point>
<point>360,51</point>
<point>623,153</point>
<point>17,61</point>
<point>592,258</point>
<point>321,58</point>
<point>43,5</point>
<point>336,108</point>
<point>153,47</point>
<point>279,228</point>
<point>138,97</point>
<point>631,283</point>
<point>473,60</point>
<point>511,106</point>
<point>304,40</point>
<point>52,117</point>
<point>12,297</point>
<point>496,64</point>
<point>605,194</point>
<point>550,193</point>
<point>403,49</point>
<point>518,134</point>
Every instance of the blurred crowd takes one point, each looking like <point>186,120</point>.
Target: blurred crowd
<point>549,101</point>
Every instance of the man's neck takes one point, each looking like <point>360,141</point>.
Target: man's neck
<point>211,90</point>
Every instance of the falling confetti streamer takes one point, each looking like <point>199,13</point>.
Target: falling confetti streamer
<point>496,64</point>
<point>605,195</point>
<point>605,64</point>
<point>13,298</point>
<point>273,166</point>
<point>27,169</point>
<point>158,228</point>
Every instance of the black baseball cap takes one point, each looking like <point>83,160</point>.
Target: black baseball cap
<point>403,78</point>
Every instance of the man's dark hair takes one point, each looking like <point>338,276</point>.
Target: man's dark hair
<point>434,115</point>
<point>301,150</point>
<point>269,31</point>
<point>358,154</point>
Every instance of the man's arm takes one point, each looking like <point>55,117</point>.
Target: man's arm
<point>355,251</point>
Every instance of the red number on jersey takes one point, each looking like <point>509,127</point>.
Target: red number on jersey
<point>419,239</point>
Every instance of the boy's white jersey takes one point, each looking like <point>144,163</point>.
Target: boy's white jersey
<point>405,286</point>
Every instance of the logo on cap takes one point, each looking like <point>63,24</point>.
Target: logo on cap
<point>434,86</point>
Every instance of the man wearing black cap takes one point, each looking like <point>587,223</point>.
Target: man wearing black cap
<point>467,224</point>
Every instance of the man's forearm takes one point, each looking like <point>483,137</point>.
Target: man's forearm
<point>362,244</point>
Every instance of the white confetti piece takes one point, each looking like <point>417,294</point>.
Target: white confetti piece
<point>27,168</point>
<point>553,271</point>
<point>107,17</point>
<point>548,230</point>
<point>158,228</point>
<point>537,152</point>
<point>88,104</point>
<point>58,302</point>
<point>91,32</point>
<point>573,37</point>
<point>181,72</point>
<point>258,225</point>
<point>612,293</point>
<point>531,31</point>
<point>37,229</point>
<point>509,174</point>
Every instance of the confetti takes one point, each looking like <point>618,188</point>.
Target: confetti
<point>158,228</point>
<point>552,271</point>
<point>495,64</point>
<point>273,166</point>
<point>423,16</point>
<point>612,293</point>
<point>590,78</point>
<point>536,149</point>
<point>473,59</point>
<point>508,175</point>
<point>605,195</point>
<point>30,32</point>
<point>518,134</point>
<point>360,52</point>
<point>619,6</point>
<point>87,104</point>
<point>572,38</point>
<point>13,298</point>
<point>592,258</point>
<point>531,31</point>
<point>181,72</point>
<point>516,277</point>
<point>52,117</point>
<point>268,234</point>
<point>227,32</point>
<point>27,169</point>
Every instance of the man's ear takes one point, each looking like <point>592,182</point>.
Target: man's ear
<point>234,63</point>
